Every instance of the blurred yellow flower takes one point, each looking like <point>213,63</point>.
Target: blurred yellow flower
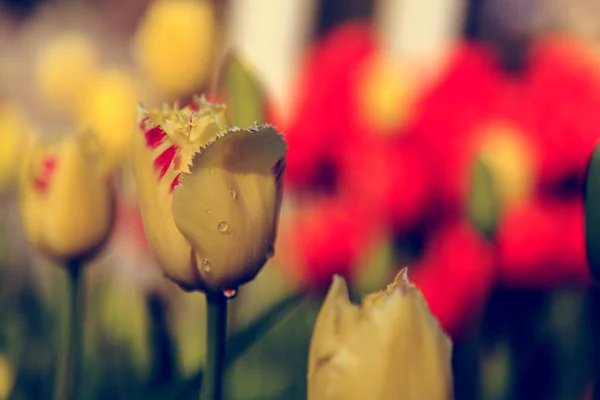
<point>65,198</point>
<point>64,67</point>
<point>389,348</point>
<point>109,108</point>
<point>510,160</point>
<point>174,44</point>
<point>209,194</point>
<point>384,96</point>
<point>7,378</point>
<point>14,127</point>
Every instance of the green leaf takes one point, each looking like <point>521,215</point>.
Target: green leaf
<point>592,214</point>
<point>243,92</point>
<point>483,202</point>
<point>239,342</point>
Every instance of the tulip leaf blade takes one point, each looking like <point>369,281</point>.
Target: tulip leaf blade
<point>241,341</point>
<point>483,203</point>
<point>243,92</point>
<point>592,214</point>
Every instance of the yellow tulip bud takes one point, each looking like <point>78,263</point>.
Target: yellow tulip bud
<point>64,68</point>
<point>109,109</point>
<point>391,347</point>
<point>209,194</point>
<point>7,378</point>
<point>13,129</point>
<point>175,42</point>
<point>510,160</point>
<point>65,199</point>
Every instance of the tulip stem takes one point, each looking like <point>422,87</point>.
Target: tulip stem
<point>216,335</point>
<point>68,380</point>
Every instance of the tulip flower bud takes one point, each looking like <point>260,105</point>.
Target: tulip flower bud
<point>7,378</point>
<point>65,198</point>
<point>174,44</point>
<point>13,129</point>
<point>109,109</point>
<point>390,347</point>
<point>210,195</point>
<point>65,66</point>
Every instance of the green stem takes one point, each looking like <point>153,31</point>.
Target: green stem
<point>68,381</point>
<point>216,335</point>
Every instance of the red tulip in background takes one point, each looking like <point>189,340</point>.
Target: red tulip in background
<point>388,173</point>
<point>542,244</point>
<point>455,275</point>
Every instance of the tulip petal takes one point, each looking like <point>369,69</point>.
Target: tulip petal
<point>155,176</point>
<point>228,204</point>
<point>394,349</point>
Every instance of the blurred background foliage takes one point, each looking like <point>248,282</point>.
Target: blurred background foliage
<point>523,327</point>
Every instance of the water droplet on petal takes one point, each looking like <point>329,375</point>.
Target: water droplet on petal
<point>206,266</point>
<point>223,227</point>
<point>230,293</point>
<point>233,194</point>
<point>207,211</point>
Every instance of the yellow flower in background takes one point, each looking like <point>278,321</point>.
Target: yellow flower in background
<point>510,160</point>
<point>174,44</point>
<point>7,378</point>
<point>389,348</point>
<point>109,109</point>
<point>210,195</point>
<point>14,127</point>
<point>66,198</point>
<point>64,67</point>
<point>384,95</point>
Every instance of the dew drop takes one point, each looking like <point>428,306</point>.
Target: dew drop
<point>233,194</point>
<point>206,266</point>
<point>230,293</point>
<point>223,227</point>
<point>207,211</point>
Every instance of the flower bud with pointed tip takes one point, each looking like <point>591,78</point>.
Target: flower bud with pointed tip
<point>210,195</point>
<point>174,44</point>
<point>65,199</point>
<point>390,347</point>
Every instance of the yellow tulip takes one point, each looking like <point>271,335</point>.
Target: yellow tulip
<point>7,378</point>
<point>210,195</point>
<point>174,44</point>
<point>65,198</point>
<point>389,348</point>
<point>14,127</point>
<point>64,68</point>
<point>109,109</point>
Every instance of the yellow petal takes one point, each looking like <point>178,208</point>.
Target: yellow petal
<point>14,128</point>
<point>65,200</point>
<point>109,109</point>
<point>7,378</point>
<point>65,66</point>
<point>395,348</point>
<point>175,42</point>
<point>171,249</point>
<point>228,205</point>
<point>510,159</point>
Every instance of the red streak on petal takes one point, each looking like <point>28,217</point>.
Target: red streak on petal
<point>174,183</point>
<point>42,181</point>
<point>154,137</point>
<point>164,160</point>
<point>194,106</point>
